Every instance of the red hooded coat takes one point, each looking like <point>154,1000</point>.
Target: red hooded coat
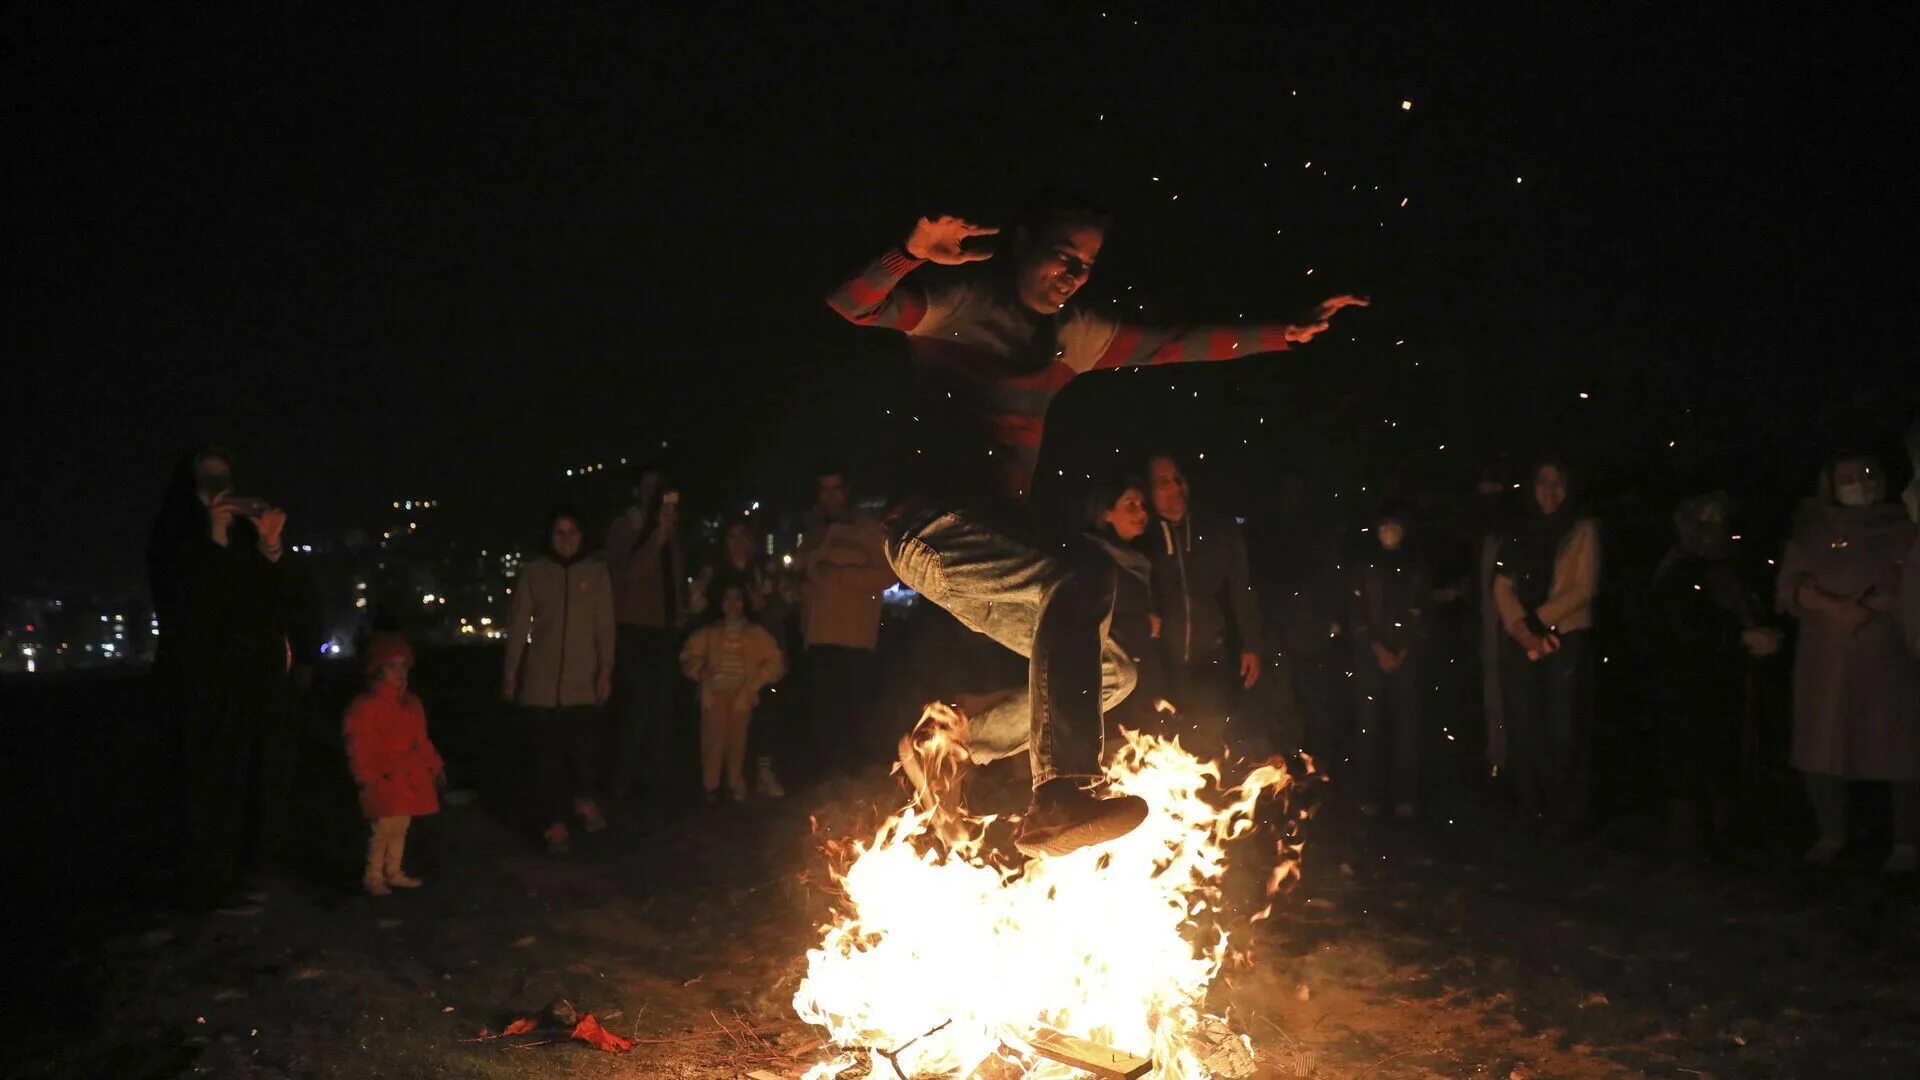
<point>392,759</point>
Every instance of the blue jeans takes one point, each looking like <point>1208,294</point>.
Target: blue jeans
<point>1053,610</point>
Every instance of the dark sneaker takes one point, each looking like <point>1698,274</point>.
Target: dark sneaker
<point>1067,817</point>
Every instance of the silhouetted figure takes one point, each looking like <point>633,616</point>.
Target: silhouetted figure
<point>1387,626</point>
<point>229,609</point>
<point>1703,627</point>
<point>647,564</point>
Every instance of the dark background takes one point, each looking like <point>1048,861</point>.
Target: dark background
<point>451,254</point>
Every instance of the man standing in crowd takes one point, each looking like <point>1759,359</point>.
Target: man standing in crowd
<point>992,346</point>
<point>1203,590</point>
<point>647,562</point>
<point>844,570</point>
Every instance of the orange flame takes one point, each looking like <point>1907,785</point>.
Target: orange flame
<point>942,960</point>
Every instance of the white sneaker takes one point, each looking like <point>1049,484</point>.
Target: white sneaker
<point>1904,859</point>
<point>765,784</point>
<point>1823,852</point>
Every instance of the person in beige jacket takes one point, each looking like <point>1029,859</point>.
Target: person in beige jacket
<point>1544,581</point>
<point>559,670</point>
<point>733,658</point>
<point>844,568</point>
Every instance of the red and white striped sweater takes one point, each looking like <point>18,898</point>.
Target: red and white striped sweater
<point>989,366</point>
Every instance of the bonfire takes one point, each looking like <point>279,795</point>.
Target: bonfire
<point>946,959</point>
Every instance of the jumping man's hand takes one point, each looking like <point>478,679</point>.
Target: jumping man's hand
<point>938,240</point>
<point>1322,316</point>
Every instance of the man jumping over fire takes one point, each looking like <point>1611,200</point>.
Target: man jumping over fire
<point>991,346</point>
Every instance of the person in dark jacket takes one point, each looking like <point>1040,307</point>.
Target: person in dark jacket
<point>1210,631</point>
<point>646,561</point>
<point>1703,627</point>
<point>226,597</point>
<point>1386,622</point>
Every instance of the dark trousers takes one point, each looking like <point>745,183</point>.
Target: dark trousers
<point>770,738</point>
<point>1052,609</point>
<point>1386,734</point>
<point>1140,711</point>
<point>1549,716</point>
<point>1212,704</point>
<point>561,744</point>
<point>646,663</point>
<point>235,754</point>
<point>841,735</point>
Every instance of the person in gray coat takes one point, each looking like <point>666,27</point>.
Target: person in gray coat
<point>1856,687</point>
<point>559,670</point>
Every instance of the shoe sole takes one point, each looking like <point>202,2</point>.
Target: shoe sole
<point>1093,832</point>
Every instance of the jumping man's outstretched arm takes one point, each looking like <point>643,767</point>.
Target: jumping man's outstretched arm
<point>875,297</point>
<point>1136,345</point>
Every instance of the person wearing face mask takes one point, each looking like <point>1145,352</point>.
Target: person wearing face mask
<point>559,669</point>
<point>1386,623</point>
<point>229,604</point>
<point>1703,629</point>
<point>1544,580</point>
<point>990,348</point>
<point>1856,687</point>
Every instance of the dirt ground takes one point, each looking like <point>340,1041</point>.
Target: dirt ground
<point>1456,946</point>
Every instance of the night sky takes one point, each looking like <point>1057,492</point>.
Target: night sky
<point>406,255</point>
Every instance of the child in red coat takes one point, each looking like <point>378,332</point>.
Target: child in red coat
<point>392,760</point>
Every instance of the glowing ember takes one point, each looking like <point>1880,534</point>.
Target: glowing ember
<point>941,961</point>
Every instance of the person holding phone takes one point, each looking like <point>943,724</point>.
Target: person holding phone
<point>228,601</point>
<point>646,561</point>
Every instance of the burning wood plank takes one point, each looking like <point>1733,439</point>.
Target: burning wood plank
<point>1102,1061</point>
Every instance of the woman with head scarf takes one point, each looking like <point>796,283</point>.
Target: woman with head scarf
<point>1856,688</point>
<point>1544,581</point>
<point>1387,625</point>
<point>228,604</point>
<point>559,669</point>
<point>1703,627</point>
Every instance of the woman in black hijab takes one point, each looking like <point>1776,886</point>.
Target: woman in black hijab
<point>225,600</point>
